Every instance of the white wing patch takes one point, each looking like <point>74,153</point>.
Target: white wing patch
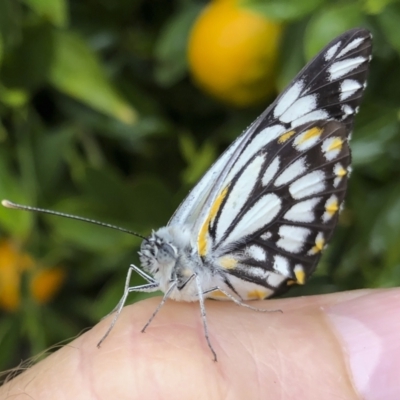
<point>281,265</point>
<point>299,108</point>
<point>256,252</point>
<point>266,235</point>
<point>288,98</point>
<point>308,185</point>
<point>332,50</point>
<point>260,214</point>
<point>292,238</point>
<point>348,87</point>
<point>302,211</point>
<point>331,147</point>
<point>340,68</point>
<point>347,110</point>
<point>275,279</point>
<point>312,116</point>
<point>258,142</point>
<point>351,46</point>
<point>239,195</point>
<point>271,171</point>
<point>292,172</point>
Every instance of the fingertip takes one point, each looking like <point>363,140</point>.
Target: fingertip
<point>368,328</point>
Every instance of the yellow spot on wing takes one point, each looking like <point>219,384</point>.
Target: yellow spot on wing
<point>257,295</point>
<point>332,207</point>
<point>335,145</point>
<point>218,294</point>
<point>310,134</point>
<point>228,262</point>
<point>286,136</point>
<point>319,245</point>
<point>202,238</point>
<point>341,172</point>
<point>300,276</point>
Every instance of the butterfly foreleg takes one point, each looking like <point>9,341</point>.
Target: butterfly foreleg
<point>143,274</point>
<point>152,286</point>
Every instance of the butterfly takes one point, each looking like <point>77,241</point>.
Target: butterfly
<point>259,219</point>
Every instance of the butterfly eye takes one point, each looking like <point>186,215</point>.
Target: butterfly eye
<point>166,253</point>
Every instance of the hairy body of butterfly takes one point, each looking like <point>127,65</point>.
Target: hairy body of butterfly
<point>258,220</point>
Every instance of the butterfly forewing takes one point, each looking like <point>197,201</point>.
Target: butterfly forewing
<point>329,87</point>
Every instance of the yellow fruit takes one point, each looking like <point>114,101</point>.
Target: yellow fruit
<point>46,283</point>
<point>12,264</point>
<point>233,53</point>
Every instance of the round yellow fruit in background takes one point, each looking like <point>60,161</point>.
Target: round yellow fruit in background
<point>233,53</point>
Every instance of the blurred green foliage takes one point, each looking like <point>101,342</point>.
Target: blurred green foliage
<point>100,118</point>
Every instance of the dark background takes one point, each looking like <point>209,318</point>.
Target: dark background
<point>100,118</point>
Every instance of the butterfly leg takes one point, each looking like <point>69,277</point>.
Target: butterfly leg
<point>143,274</point>
<point>127,289</point>
<point>164,299</point>
<point>239,302</point>
<point>152,286</point>
<point>204,316</point>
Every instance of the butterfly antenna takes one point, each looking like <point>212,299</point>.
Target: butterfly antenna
<point>9,204</point>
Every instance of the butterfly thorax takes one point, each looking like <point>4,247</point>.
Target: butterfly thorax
<point>168,256</point>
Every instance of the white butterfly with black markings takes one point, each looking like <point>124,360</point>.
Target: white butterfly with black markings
<point>259,219</point>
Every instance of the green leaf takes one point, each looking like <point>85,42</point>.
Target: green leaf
<point>329,23</point>
<point>77,72</point>
<point>13,97</point>
<point>376,127</point>
<point>54,11</point>
<point>199,160</point>
<point>170,50</point>
<point>49,157</point>
<point>16,223</point>
<point>389,22</point>
<point>10,22</point>
<point>9,337</point>
<point>1,49</point>
<point>291,54</point>
<point>23,68</point>
<point>376,6</point>
<point>284,10</point>
<point>385,237</point>
<point>136,203</point>
<point>87,236</point>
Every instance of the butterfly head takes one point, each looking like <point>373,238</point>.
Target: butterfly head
<point>157,253</point>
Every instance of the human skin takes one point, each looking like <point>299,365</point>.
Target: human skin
<point>338,346</point>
